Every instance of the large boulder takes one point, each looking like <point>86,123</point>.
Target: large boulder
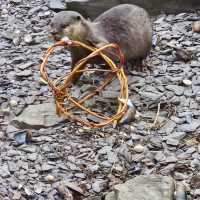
<point>145,187</point>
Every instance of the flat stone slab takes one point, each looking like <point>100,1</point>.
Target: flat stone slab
<point>38,116</point>
<point>93,8</point>
<point>144,187</point>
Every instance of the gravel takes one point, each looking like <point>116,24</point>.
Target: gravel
<point>87,157</point>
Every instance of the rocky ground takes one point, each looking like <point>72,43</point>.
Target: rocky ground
<point>96,160</point>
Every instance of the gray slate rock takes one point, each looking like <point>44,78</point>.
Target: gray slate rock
<point>190,127</point>
<point>168,127</point>
<point>16,1</point>
<point>145,188</point>
<point>98,185</point>
<point>178,90</point>
<point>38,116</point>
<point>4,171</point>
<point>174,138</point>
<point>24,66</point>
<point>56,5</point>
<point>24,73</point>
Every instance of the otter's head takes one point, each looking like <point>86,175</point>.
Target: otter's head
<point>70,24</point>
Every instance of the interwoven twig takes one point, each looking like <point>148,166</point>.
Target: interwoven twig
<point>60,89</point>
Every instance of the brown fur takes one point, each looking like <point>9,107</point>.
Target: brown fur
<point>127,25</point>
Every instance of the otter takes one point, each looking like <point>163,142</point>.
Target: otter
<point>129,26</point>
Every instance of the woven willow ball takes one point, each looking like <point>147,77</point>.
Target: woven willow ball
<point>61,89</point>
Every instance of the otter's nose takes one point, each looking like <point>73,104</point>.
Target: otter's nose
<point>54,32</point>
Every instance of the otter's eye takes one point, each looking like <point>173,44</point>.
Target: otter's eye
<point>63,26</point>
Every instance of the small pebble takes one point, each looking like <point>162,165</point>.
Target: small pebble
<point>28,38</point>
<point>187,82</point>
<point>138,148</point>
<point>50,178</point>
<point>13,103</point>
<point>16,195</point>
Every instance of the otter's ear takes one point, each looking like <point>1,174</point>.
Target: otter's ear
<point>78,18</point>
